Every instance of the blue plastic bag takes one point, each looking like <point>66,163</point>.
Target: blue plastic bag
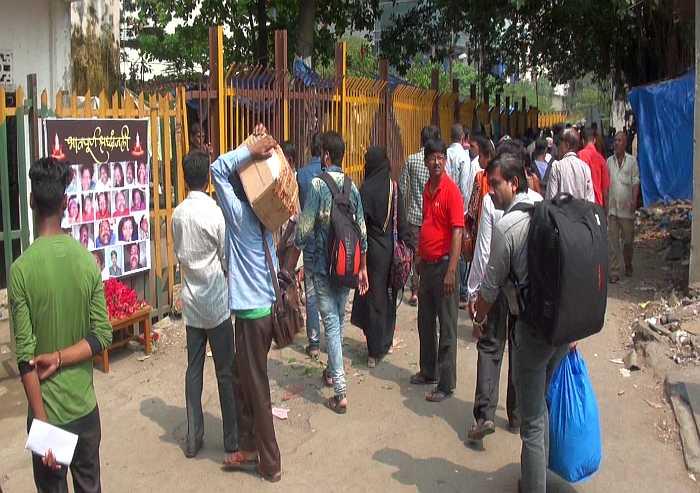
<point>574,427</point>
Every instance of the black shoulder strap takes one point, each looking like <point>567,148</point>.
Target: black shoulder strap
<point>330,183</point>
<point>522,207</point>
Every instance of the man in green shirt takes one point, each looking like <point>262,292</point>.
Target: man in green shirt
<point>59,316</point>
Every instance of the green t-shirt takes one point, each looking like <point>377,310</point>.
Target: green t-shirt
<point>57,299</point>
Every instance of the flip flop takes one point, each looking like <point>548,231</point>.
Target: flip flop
<point>334,404</point>
<point>239,462</point>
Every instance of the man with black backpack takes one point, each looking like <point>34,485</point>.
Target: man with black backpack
<point>551,262</point>
<point>334,220</point>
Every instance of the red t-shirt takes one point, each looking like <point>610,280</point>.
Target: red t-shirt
<point>442,212</point>
<point>599,171</point>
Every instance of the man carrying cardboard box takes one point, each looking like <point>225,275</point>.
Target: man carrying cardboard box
<point>251,296</point>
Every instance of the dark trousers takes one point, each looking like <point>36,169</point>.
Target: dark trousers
<point>221,341</point>
<point>257,431</point>
<point>499,329</point>
<point>85,467</point>
<point>414,232</point>
<point>438,354</point>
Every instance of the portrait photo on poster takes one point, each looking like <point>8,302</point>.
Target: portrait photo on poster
<point>108,194</point>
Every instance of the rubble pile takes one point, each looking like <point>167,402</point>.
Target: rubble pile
<point>667,228</point>
<point>669,332</point>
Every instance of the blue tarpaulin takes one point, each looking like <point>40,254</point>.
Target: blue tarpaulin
<point>664,116</point>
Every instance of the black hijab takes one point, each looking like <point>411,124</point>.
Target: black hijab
<point>375,188</point>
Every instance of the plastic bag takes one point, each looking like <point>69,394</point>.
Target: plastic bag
<point>574,426</point>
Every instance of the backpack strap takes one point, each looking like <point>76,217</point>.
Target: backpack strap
<point>331,184</point>
<point>522,207</point>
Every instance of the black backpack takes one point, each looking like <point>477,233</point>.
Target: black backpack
<point>344,239</point>
<point>567,262</point>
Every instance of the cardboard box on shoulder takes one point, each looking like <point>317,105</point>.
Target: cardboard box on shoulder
<point>271,187</point>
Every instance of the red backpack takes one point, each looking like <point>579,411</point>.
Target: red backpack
<point>344,239</point>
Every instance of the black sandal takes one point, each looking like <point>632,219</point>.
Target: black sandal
<point>327,379</point>
<point>334,404</point>
<point>437,396</point>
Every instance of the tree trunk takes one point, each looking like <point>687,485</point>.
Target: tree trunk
<point>261,45</point>
<point>305,30</point>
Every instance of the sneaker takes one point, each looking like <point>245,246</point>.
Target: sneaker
<point>480,429</point>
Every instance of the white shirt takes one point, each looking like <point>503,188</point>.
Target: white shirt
<point>475,167</point>
<point>459,169</point>
<point>482,251</point>
<point>623,181</point>
<point>570,175</point>
<point>199,235</point>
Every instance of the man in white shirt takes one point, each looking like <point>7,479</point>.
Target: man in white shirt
<point>622,204</point>
<point>459,169</point>
<point>199,234</point>
<point>498,330</point>
<point>570,174</point>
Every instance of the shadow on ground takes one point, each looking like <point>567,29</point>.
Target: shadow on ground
<point>173,422</point>
<point>438,474</point>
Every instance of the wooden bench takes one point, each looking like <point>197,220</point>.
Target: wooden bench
<point>140,318</point>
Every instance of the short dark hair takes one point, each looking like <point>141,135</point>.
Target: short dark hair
<point>540,147</point>
<point>511,166</point>
<point>432,146</point>
<point>289,149</point>
<point>113,253</point>
<point>316,144</point>
<point>485,145</point>
<point>196,168</point>
<point>588,134</point>
<point>457,132</point>
<point>49,179</point>
<point>332,143</point>
<point>429,132</point>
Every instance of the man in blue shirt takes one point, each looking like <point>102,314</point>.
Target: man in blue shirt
<point>304,177</point>
<point>314,226</point>
<point>250,297</point>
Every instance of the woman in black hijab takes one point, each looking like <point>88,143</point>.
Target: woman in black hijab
<point>375,312</point>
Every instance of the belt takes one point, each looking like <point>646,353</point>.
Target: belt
<point>436,260</point>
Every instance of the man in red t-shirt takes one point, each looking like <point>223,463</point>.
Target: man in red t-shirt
<point>599,169</point>
<point>439,250</point>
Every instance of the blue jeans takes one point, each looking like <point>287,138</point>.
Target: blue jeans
<point>331,304</point>
<point>313,323</point>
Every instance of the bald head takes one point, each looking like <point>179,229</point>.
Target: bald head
<point>569,141</point>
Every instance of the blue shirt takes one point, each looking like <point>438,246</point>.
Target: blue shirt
<point>316,219</point>
<point>249,281</point>
<point>304,177</point>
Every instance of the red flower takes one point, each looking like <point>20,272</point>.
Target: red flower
<point>121,300</point>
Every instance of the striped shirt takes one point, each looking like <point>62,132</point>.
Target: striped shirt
<point>412,182</point>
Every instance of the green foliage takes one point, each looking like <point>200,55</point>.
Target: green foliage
<point>629,42</point>
<point>186,48</point>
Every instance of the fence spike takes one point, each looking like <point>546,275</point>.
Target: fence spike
<point>19,97</point>
<point>44,100</point>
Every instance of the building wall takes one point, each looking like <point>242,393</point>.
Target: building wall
<point>38,35</point>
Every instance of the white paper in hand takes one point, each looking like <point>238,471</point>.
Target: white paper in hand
<point>44,436</point>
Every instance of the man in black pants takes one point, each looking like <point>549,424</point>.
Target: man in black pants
<point>440,249</point>
<point>199,234</point>
<point>59,315</point>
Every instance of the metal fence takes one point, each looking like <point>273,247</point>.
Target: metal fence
<point>167,116</point>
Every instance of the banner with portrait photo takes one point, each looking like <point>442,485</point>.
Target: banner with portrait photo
<point>109,193</point>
